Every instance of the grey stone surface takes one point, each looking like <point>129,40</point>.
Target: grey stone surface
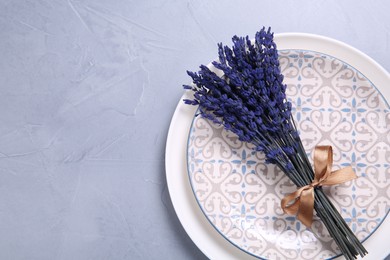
<point>88,89</point>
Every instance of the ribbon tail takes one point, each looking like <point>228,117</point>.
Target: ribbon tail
<point>305,213</point>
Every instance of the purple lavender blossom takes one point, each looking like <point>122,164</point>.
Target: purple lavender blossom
<point>250,101</point>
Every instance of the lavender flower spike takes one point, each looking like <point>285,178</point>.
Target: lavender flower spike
<point>250,97</point>
<point>250,101</point>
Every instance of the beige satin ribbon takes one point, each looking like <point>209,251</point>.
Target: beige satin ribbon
<point>301,202</point>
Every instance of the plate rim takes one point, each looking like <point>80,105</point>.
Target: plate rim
<point>190,215</point>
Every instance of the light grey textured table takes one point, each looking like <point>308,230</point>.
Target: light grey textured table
<point>87,92</point>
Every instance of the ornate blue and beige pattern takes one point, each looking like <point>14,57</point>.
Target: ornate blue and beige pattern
<point>334,105</point>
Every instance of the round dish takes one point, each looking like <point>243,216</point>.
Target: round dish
<point>333,104</point>
<point>187,209</point>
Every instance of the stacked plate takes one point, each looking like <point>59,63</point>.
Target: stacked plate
<point>228,199</point>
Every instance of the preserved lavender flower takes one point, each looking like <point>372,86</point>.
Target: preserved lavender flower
<point>249,99</point>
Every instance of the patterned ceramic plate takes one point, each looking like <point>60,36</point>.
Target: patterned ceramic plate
<point>334,104</point>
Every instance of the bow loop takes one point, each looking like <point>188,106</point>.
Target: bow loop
<point>323,160</point>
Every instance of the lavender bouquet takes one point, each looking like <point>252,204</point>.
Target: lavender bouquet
<point>250,101</point>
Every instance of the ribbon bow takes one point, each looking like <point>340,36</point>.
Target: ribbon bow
<point>301,202</point>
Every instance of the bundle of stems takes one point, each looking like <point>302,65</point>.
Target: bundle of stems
<point>250,100</point>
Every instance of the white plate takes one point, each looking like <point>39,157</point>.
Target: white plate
<point>333,104</point>
<point>187,209</point>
